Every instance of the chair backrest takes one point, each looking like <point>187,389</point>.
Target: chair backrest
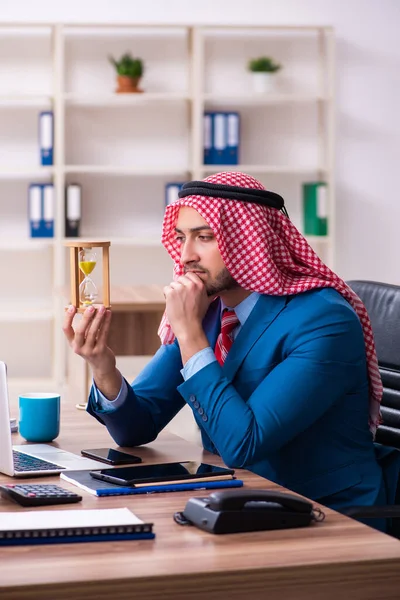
<point>382,301</point>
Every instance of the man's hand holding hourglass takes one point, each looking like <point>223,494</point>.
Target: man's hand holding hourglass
<point>89,340</point>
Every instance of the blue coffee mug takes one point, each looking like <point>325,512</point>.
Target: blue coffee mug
<point>39,417</point>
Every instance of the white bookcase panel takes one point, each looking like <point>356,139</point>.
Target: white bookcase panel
<point>24,100</point>
<point>29,173</point>
<point>138,136</point>
<point>265,99</point>
<point>110,99</point>
<point>140,266</point>
<point>137,171</point>
<point>123,207</point>
<point>164,51</point>
<point>278,135</point>
<point>31,356</point>
<point>14,223</point>
<point>227,53</point>
<point>20,128</point>
<point>26,60</point>
<point>26,277</point>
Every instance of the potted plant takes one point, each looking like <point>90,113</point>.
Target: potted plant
<point>129,72</point>
<point>262,70</point>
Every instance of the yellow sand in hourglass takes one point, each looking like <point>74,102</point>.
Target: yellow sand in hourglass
<point>87,266</point>
<point>87,289</point>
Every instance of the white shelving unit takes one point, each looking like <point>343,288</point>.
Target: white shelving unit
<point>122,149</point>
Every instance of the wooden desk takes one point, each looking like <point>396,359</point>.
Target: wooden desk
<point>338,558</point>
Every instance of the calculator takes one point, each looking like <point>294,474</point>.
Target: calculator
<point>41,494</point>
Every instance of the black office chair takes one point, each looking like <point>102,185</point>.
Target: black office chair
<point>382,301</point>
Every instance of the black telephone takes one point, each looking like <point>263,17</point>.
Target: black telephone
<point>248,510</point>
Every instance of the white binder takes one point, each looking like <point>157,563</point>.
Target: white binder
<point>220,138</point>
<point>46,137</point>
<point>233,126</point>
<point>207,138</point>
<point>48,208</point>
<point>172,190</point>
<point>73,209</point>
<point>35,209</point>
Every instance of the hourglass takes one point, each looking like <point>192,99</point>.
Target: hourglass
<point>83,259</point>
<point>87,288</point>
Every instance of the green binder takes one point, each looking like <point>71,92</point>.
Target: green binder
<point>315,208</point>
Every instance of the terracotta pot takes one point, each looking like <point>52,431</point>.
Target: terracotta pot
<point>128,85</point>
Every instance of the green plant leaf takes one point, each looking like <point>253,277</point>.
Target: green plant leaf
<point>263,64</point>
<point>128,66</point>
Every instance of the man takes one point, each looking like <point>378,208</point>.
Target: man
<point>272,351</point>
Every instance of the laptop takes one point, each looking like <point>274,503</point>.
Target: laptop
<point>28,460</point>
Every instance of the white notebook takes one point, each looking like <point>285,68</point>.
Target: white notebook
<point>64,526</point>
<point>64,519</point>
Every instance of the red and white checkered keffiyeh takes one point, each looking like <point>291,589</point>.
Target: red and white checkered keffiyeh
<point>265,253</point>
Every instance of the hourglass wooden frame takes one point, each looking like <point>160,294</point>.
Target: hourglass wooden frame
<point>77,275</point>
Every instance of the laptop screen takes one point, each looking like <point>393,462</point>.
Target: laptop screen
<point>6,455</point>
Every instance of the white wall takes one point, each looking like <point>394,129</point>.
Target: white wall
<point>368,100</point>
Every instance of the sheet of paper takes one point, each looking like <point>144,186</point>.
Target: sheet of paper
<point>64,519</point>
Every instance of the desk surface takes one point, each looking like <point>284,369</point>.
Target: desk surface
<point>336,558</point>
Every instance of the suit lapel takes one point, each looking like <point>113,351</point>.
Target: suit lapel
<point>263,314</point>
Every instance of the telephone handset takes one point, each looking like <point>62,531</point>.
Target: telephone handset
<point>248,510</point>
<point>228,501</point>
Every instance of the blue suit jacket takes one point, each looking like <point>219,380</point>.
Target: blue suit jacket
<point>290,403</point>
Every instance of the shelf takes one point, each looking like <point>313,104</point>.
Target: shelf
<point>264,169</point>
<point>120,170</point>
<point>25,172</point>
<point>16,245</point>
<point>253,31</point>
<point>25,100</point>
<point>28,30</point>
<point>151,240</point>
<point>12,313</point>
<point>117,30</point>
<point>134,241</point>
<point>170,171</point>
<point>117,100</point>
<point>261,99</point>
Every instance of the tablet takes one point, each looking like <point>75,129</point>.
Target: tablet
<point>177,472</point>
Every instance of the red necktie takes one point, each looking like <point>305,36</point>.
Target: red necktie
<point>224,342</point>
